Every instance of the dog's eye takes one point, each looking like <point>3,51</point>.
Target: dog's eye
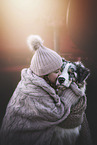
<point>70,70</point>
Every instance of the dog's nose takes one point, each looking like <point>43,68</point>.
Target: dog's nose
<point>61,80</point>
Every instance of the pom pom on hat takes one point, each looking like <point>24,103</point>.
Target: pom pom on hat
<point>34,42</point>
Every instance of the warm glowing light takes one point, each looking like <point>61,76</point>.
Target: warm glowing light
<point>67,15</point>
<point>27,7</point>
<point>21,18</point>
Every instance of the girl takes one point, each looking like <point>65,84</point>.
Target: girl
<point>36,114</point>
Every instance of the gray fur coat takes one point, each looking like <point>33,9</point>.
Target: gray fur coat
<point>35,112</point>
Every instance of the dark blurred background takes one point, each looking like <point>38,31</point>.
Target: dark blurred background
<point>67,26</point>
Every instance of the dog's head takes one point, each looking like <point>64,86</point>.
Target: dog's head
<point>72,72</point>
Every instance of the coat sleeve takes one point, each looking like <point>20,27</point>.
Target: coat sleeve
<point>75,118</point>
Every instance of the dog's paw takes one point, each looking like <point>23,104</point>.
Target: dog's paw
<point>79,91</point>
<point>82,86</point>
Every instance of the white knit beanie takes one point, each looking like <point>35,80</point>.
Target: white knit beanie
<point>44,60</point>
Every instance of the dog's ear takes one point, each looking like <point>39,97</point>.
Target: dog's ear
<point>64,64</point>
<point>82,72</point>
<point>63,59</point>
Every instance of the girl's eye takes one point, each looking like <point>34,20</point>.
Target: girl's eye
<point>57,71</point>
<point>61,69</point>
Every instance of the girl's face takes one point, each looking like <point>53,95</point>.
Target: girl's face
<point>53,76</point>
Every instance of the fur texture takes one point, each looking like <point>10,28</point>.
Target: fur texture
<point>34,42</point>
<point>68,79</point>
<point>74,76</point>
